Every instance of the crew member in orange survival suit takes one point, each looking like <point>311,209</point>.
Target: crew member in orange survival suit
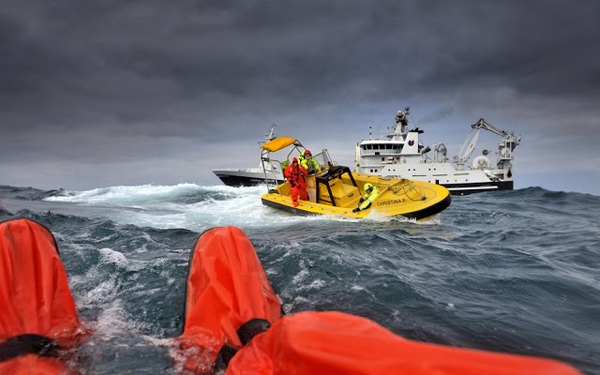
<point>295,175</point>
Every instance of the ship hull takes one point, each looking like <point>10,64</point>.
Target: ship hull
<point>475,187</point>
<point>402,154</point>
<point>241,178</point>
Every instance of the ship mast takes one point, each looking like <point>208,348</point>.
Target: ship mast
<point>270,135</point>
<point>401,124</point>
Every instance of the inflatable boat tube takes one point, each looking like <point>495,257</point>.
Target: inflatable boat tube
<point>336,343</point>
<point>227,288</point>
<point>229,298</point>
<point>37,311</point>
<point>232,318</point>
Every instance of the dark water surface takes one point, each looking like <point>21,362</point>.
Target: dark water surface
<point>515,271</point>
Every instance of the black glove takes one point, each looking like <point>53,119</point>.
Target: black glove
<point>292,184</point>
<point>356,209</point>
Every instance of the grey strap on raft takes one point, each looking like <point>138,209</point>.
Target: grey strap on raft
<point>246,332</point>
<point>27,344</point>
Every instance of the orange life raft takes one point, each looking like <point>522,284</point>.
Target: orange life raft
<point>229,298</point>
<point>232,319</point>
<point>227,288</point>
<point>37,311</point>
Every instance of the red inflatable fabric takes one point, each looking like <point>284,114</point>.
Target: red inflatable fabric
<point>337,343</point>
<point>227,287</point>
<point>33,364</point>
<point>35,300</point>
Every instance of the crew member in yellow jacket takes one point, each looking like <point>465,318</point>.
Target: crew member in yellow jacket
<point>308,162</point>
<point>367,199</point>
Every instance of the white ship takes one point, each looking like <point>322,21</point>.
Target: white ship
<point>251,176</point>
<point>401,154</point>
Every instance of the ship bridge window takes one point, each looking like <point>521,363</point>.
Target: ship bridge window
<point>389,147</point>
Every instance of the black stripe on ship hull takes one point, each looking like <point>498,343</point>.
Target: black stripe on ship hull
<point>465,189</point>
<point>237,181</point>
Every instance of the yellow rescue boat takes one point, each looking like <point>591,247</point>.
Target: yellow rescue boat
<point>335,190</point>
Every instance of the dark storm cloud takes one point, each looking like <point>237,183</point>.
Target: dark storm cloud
<point>549,49</point>
<point>113,78</point>
<point>126,63</point>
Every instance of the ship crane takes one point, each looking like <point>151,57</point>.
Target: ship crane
<point>508,144</point>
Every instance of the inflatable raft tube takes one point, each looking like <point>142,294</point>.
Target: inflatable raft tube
<point>37,311</point>
<point>232,318</point>
<point>228,299</point>
<point>336,343</point>
<point>227,289</point>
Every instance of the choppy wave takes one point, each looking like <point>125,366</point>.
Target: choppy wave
<point>513,271</point>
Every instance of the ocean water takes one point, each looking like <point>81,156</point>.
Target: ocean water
<point>513,271</point>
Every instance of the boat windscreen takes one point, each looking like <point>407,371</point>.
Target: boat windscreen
<point>278,143</point>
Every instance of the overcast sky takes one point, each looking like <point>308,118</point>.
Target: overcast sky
<point>118,92</point>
